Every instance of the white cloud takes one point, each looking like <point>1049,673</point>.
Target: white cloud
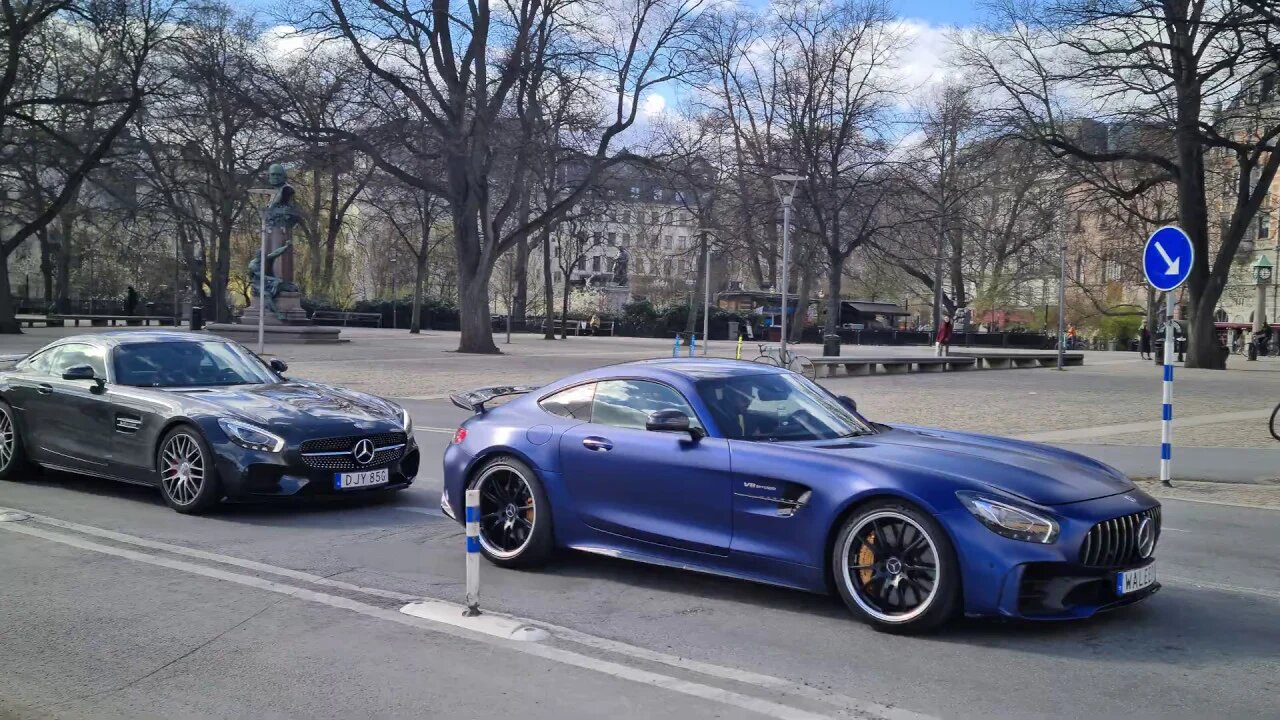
<point>653,105</point>
<point>923,61</point>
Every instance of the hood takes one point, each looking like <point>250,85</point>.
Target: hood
<point>284,406</point>
<point>1038,473</point>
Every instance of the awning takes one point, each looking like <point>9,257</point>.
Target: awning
<point>873,308</point>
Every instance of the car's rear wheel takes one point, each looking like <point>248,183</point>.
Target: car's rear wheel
<point>515,515</point>
<point>13,456</point>
<point>895,567</point>
<point>188,478</point>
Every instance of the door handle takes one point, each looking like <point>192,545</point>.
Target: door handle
<point>44,388</point>
<point>598,444</point>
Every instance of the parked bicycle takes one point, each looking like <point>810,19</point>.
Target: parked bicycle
<point>796,363</point>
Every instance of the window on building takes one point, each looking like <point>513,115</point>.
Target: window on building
<point>1264,226</point>
<point>611,239</point>
<point>613,216</point>
<point>582,263</point>
<point>1080,269</point>
<point>1112,270</point>
<point>635,191</point>
<point>595,263</point>
<point>666,242</point>
<point>657,193</point>
<point>626,239</point>
<point>671,217</point>
<point>682,242</point>
<point>653,217</point>
<point>678,196</point>
<point>626,216</point>
<point>556,276</point>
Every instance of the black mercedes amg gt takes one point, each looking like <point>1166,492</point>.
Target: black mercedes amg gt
<point>199,416</point>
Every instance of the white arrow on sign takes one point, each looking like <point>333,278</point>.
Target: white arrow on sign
<point>1174,265</point>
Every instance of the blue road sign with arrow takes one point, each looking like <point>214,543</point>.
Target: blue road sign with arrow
<point>1168,257</point>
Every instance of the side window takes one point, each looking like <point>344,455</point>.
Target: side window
<point>574,403</point>
<point>627,403</point>
<point>75,354</point>
<point>40,362</point>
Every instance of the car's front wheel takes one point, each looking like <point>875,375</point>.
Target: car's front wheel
<point>13,455</point>
<point>515,515</point>
<point>188,478</point>
<point>895,567</point>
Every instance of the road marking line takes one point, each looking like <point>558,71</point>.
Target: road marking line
<point>1173,529</point>
<point>560,655</point>
<point>449,431</point>
<point>564,633</point>
<point>1167,498</point>
<point>1225,587</point>
<point>1144,426</point>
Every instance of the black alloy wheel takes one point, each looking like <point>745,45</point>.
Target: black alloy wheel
<point>515,516</point>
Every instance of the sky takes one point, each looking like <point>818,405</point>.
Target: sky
<point>940,12</point>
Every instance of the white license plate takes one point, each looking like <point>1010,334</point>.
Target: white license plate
<point>346,481</point>
<point>1131,581</point>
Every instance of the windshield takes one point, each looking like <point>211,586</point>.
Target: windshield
<point>188,364</point>
<point>777,408</point>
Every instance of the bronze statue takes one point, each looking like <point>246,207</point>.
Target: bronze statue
<point>620,267</point>
<point>278,220</point>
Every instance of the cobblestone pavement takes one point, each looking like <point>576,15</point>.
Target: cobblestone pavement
<point>1111,389</point>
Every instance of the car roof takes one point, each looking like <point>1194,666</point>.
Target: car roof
<point>134,337</point>
<point>695,369</point>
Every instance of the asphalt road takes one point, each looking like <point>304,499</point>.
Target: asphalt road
<point>113,606</point>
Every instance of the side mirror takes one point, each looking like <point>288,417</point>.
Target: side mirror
<point>671,421</point>
<point>278,365</point>
<point>848,402</point>
<point>82,372</point>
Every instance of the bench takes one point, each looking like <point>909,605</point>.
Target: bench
<point>112,320</point>
<point>1007,360</point>
<point>346,318</point>
<point>829,366</point>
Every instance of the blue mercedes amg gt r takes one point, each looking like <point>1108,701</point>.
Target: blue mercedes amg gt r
<point>755,472</point>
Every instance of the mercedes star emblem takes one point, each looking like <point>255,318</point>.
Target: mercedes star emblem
<point>1146,538</point>
<point>363,452</point>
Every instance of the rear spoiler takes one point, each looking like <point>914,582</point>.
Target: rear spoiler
<point>474,400</point>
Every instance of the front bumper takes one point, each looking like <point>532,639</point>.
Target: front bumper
<point>249,474</point>
<point>1015,579</point>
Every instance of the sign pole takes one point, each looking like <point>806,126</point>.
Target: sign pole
<point>1167,260</point>
<point>262,288</point>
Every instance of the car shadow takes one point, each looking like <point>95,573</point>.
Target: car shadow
<point>354,511</point>
<point>1180,625</point>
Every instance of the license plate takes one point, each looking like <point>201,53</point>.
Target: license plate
<point>346,481</point>
<point>1131,581</point>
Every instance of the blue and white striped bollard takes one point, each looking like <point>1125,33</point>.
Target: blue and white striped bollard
<point>473,554</point>
<point>1166,415</point>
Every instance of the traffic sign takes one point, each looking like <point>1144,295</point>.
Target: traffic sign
<point>1167,259</point>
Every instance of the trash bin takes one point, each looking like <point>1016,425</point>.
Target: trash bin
<point>197,317</point>
<point>830,346</point>
<point>1157,351</point>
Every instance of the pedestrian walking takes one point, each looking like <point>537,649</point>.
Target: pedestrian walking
<point>1144,341</point>
<point>944,338</point>
<point>130,301</point>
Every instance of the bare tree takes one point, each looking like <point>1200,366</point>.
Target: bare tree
<point>116,41</point>
<point>1193,68</point>
<point>411,214</point>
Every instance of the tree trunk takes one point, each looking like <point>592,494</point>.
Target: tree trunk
<point>314,251</point>
<point>419,277</point>
<point>833,292</point>
<point>63,281</point>
<point>46,266</point>
<point>9,324</point>
<point>564,310</point>
<point>520,294</point>
<point>796,327</point>
<point>548,290</point>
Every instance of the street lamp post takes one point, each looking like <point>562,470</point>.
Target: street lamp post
<point>1062,298</point>
<point>706,292</point>
<point>1262,277</point>
<point>393,291</point>
<point>789,183</point>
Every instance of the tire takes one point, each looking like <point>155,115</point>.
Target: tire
<point>804,366</point>
<point>13,454</point>
<point>192,489</point>
<point>511,492</point>
<point>1275,424</point>
<point>864,578</point>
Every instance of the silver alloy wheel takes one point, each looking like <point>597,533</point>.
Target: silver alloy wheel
<point>898,566</point>
<point>182,469</point>
<point>8,440</point>
<point>508,511</point>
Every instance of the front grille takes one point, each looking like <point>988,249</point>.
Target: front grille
<point>394,444</point>
<point>1114,543</point>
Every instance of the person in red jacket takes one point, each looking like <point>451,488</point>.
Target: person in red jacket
<point>944,338</point>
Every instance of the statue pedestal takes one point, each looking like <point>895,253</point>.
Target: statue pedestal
<point>296,328</point>
<point>615,297</point>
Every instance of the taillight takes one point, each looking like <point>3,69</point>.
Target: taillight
<point>459,435</point>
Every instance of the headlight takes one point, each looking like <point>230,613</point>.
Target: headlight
<point>251,437</point>
<point>406,422</point>
<point>1011,521</point>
